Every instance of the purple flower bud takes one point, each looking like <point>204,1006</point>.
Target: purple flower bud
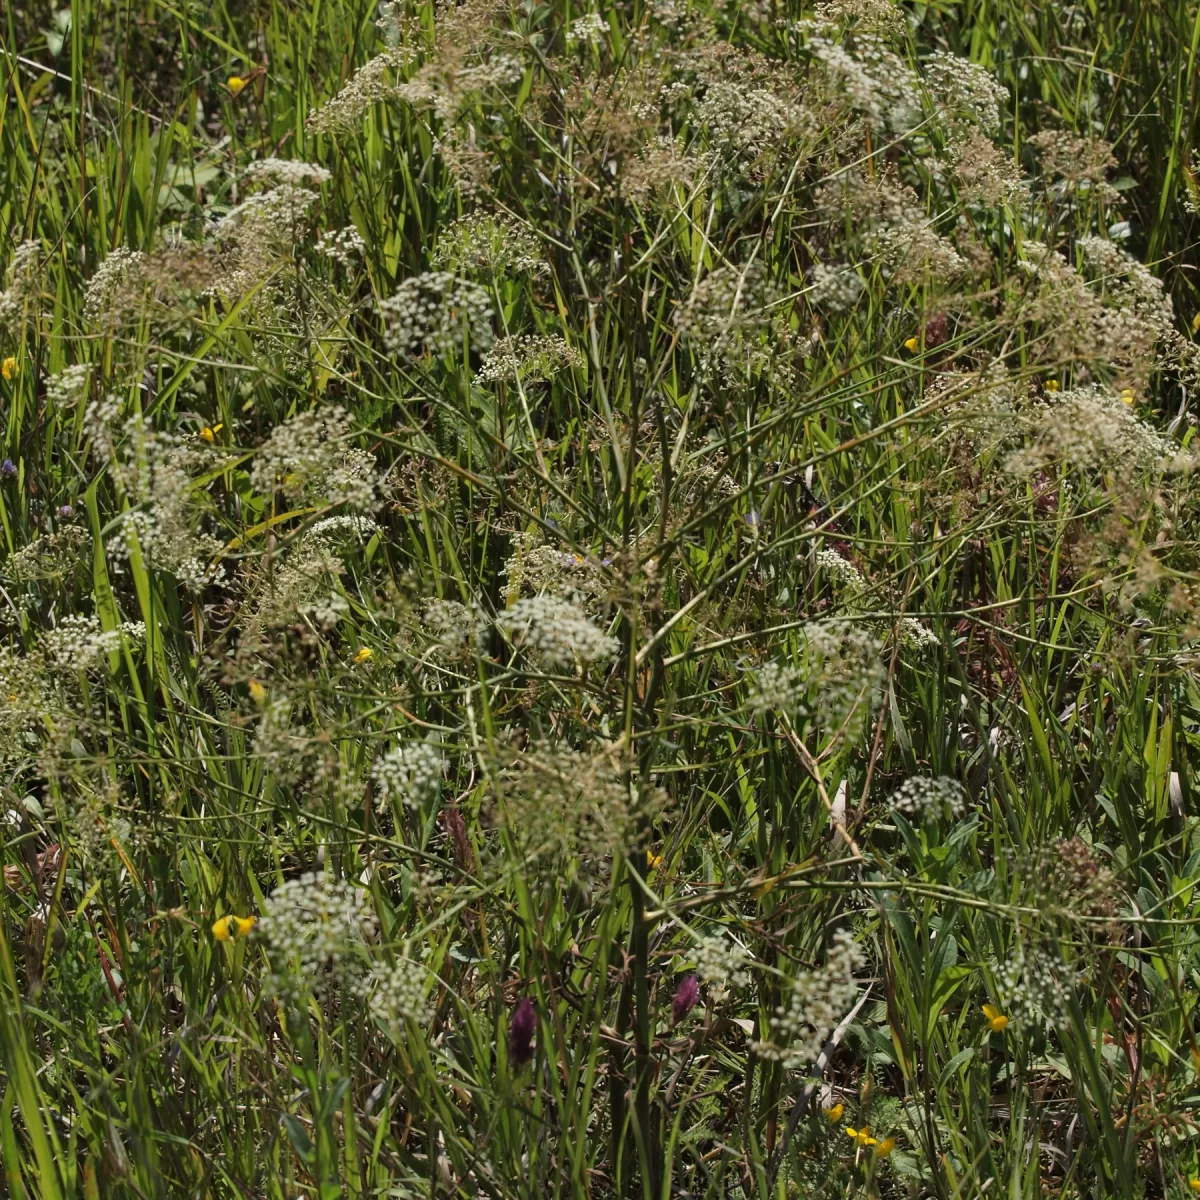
<point>66,511</point>
<point>521,1030</point>
<point>687,994</point>
<point>8,469</point>
<point>753,518</point>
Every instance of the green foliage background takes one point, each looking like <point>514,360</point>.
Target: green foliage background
<point>699,480</point>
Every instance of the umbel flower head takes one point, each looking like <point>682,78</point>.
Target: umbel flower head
<point>409,774</point>
<point>316,928</point>
<point>818,1000</point>
<point>434,313</point>
<point>558,632</point>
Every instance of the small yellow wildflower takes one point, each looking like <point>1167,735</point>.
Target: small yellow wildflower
<point>1051,385</point>
<point>996,1020</point>
<point>1194,1184</point>
<point>365,654</point>
<point>1127,396</point>
<point>8,368</point>
<point>235,83</point>
<point>655,861</point>
<point>913,344</point>
<point>834,1113</point>
<point>1196,323</point>
<point>861,1136</point>
<point>885,1147</point>
<point>258,693</point>
<point>225,928</point>
<point>209,432</point>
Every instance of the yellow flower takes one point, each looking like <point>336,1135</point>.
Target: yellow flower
<point>996,1020</point>
<point>913,344</point>
<point>1196,323</point>
<point>1051,385</point>
<point>365,654</point>
<point>8,368</point>
<point>1194,1184</point>
<point>235,83</point>
<point>885,1147</point>
<point>232,926</point>
<point>655,860</point>
<point>1127,396</point>
<point>209,432</point>
<point>258,693</point>
<point>834,1113</point>
<point>861,1136</point>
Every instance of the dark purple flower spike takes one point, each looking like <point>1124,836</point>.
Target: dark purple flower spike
<point>521,1030</point>
<point>687,995</point>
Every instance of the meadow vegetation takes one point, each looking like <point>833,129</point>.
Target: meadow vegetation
<point>599,601</point>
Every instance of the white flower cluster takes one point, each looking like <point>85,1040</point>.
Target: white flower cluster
<point>1030,987</point>
<point>67,386</point>
<point>260,233</point>
<point>287,170</point>
<point>305,456</point>
<point>913,250</point>
<point>929,798</point>
<point>273,216</point>
<point>777,687</point>
<point>21,285</point>
<point>155,471</point>
<point>307,579</point>
<point>409,775</point>
<point>845,572</point>
<point>869,16</point>
<point>454,626</point>
<point>876,81</point>
<point>915,636</point>
<point>818,1001</point>
<point>121,269</point>
<point>315,927</point>
<point>963,90</point>
<point>1092,427</point>
<point>545,568</point>
<point>591,27</point>
<point>745,122</point>
<point>370,84</point>
<point>490,242</point>
<point>558,632</point>
<point>340,529</point>
<point>528,358</point>
<point>910,632</point>
<point>55,555</point>
<point>733,318</point>
<point>78,643</point>
<point>161,534</point>
<point>834,288</point>
<point>574,807</point>
<point>396,996</point>
<point>433,313</point>
<point>722,965</point>
<point>844,662</point>
<point>342,245</point>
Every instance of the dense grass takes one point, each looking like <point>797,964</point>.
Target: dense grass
<point>803,548</point>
